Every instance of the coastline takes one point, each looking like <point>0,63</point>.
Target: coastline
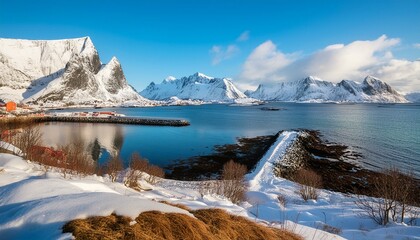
<point>307,150</point>
<point>329,161</point>
<point>115,120</point>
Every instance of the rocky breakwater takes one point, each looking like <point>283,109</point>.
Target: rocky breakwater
<point>23,120</point>
<point>120,120</point>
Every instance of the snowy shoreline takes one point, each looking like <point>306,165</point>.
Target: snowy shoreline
<point>35,204</point>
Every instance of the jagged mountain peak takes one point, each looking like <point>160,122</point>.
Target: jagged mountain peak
<point>312,79</point>
<point>371,78</point>
<point>197,87</point>
<point>61,72</point>
<point>201,75</point>
<point>114,60</point>
<point>167,79</point>
<point>315,89</point>
<point>373,85</point>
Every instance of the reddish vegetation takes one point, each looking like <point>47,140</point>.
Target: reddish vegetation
<point>7,135</point>
<point>47,152</point>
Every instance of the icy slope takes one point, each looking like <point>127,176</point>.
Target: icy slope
<point>61,71</point>
<point>312,89</point>
<point>194,87</point>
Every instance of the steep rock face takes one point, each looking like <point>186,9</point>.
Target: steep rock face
<point>312,89</point>
<point>79,73</point>
<point>22,61</point>
<point>62,71</point>
<point>196,87</point>
<point>112,76</point>
<point>374,86</point>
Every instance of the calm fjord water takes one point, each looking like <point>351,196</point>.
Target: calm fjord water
<point>384,134</point>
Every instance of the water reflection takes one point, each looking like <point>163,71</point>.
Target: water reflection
<point>97,138</point>
<point>383,135</point>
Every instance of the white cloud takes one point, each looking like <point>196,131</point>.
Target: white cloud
<point>243,37</point>
<point>416,45</point>
<point>220,53</point>
<point>264,62</point>
<point>267,64</point>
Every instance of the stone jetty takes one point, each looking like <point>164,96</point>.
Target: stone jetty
<point>121,120</point>
<point>115,120</point>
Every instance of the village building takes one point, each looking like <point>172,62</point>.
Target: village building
<point>10,106</point>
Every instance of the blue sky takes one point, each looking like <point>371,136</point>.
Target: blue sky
<point>154,39</point>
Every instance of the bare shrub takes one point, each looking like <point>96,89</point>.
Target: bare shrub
<point>113,167</point>
<point>208,187</point>
<point>138,163</point>
<point>154,172</point>
<point>76,160</point>
<point>4,137</point>
<point>406,194</point>
<point>331,229</point>
<point>46,156</point>
<point>138,166</point>
<point>394,191</point>
<point>29,137</point>
<point>414,217</point>
<point>282,200</point>
<point>309,182</point>
<point>232,184</point>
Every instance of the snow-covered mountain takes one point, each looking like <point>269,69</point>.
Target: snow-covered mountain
<point>196,87</point>
<point>62,72</point>
<point>312,89</point>
<point>413,97</point>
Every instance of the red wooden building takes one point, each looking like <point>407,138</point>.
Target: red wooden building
<point>10,106</point>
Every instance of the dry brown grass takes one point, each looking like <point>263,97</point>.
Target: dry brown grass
<point>178,205</point>
<point>226,226</point>
<point>209,224</point>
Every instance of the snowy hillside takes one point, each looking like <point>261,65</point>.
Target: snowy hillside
<point>35,203</point>
<point>194,87</point>
<point>61,72</point>
<point>312,89</point>
<point>413,97</point>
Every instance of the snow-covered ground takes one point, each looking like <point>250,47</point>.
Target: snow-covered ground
<point>34,204</point>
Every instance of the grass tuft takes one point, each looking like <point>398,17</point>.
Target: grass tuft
<point>209,224</point>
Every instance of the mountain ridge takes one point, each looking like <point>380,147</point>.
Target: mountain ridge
<point>69,71</point>
<point>194,87</point>
<point>313,89</point>
<point>66,71</point>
